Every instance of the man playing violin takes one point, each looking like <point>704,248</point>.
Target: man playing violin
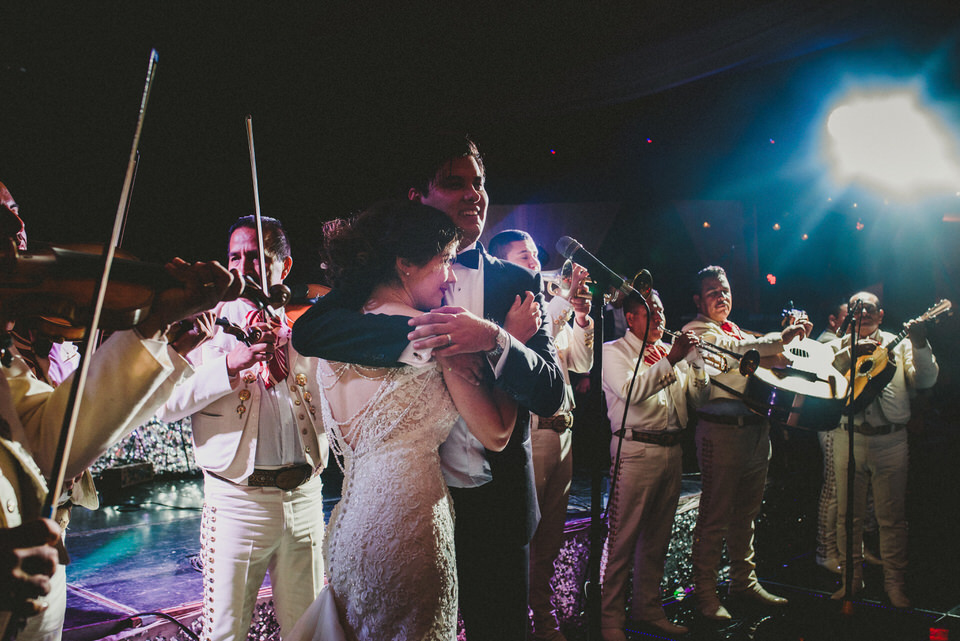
<point>130,376</point>
<point>259,439</point>
<point>733,450</point>
<point>880,445</point>
<point>51,360</point>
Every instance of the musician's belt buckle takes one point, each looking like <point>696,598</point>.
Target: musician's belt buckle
<point>285,478</point>
<point>559,423</point>
<point>877,430</point>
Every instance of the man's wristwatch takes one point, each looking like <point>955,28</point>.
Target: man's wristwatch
<point>503,341</point>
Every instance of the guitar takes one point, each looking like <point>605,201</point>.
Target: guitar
<point>875,370</point>
<point>808,393</point>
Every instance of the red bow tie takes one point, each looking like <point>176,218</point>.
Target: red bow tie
<point>730,329</point>
<point>277,368</point>
<point>654,353</point>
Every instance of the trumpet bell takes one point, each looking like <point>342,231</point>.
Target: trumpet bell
<point>552,281</point>
<point>557,282</point>
<point>749,362</point>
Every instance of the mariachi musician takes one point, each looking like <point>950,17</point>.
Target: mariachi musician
<point>880,446</point>
<point>129,377</point>
<point>259,439</point>
<point>51,360</point>
<point>733,450</point>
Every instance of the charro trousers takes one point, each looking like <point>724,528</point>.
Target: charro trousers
<point>881,463</point>
<point>827,513</point>
<point>642,510</point>
<point>553,472</point>
<point>249,531</point>
<point>733,467</point>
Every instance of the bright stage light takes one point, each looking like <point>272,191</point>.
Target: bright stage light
<point>890,142</point>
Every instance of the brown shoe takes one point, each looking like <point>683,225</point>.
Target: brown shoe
<point>759,596</point>
<point>897,598</point>
<point>714,610</point>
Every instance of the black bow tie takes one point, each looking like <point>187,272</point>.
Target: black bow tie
<point>469,258</point>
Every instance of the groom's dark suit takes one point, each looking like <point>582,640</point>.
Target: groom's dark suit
<point>494,522</point>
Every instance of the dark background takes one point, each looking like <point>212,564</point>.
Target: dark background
<point>562,98</point>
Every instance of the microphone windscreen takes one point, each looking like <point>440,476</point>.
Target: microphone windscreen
<point>568,246</point>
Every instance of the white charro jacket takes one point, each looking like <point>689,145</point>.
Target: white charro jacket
<point>225,440</point>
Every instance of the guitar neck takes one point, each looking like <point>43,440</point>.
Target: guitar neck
<point>896,341</point>
<point>942,307</point>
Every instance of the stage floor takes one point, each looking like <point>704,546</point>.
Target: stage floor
<point>139,555</point>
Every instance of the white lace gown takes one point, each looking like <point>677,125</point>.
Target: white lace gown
<point>389,549</point>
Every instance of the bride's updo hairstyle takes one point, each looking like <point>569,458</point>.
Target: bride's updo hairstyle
<point>361,252</point>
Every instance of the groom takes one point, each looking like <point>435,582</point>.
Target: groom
<point>493,493</point>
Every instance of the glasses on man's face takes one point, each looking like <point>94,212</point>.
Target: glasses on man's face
<point>869,308</point>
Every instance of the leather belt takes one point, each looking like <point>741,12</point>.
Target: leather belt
<point>666,439</point>
<point>877,430</point>
<point>740,420</point>
<point>558,422</point>
<point>284,478</point>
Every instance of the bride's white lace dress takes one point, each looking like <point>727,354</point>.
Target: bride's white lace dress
<point>389,545</point>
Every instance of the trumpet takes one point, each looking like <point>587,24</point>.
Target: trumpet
<point>717,356</point>
<point>557,282</point>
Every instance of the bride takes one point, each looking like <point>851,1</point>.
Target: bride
<point>389,548</point>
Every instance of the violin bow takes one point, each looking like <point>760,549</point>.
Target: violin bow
<point>129,199</point>
<point>256,204</point>
<point>79,380</point>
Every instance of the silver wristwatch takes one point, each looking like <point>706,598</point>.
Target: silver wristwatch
<point>503,341</point>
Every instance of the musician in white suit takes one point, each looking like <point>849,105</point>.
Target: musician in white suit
<point>880,447</point>
<point>130,376</point>
<point>646,488</point>
<point>733,451</point>
<point>259,439</point>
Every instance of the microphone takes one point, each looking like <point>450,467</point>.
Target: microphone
<point>851,313</point>
<point>574,251</point>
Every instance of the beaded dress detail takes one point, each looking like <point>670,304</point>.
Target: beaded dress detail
<point>389,549</point>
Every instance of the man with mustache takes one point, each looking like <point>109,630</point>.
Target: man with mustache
<point>733,450</point>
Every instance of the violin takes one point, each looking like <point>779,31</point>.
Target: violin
<point>51,289</point>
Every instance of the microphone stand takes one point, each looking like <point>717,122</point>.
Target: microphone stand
<point>848,571</point>
<point>592,587</point>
